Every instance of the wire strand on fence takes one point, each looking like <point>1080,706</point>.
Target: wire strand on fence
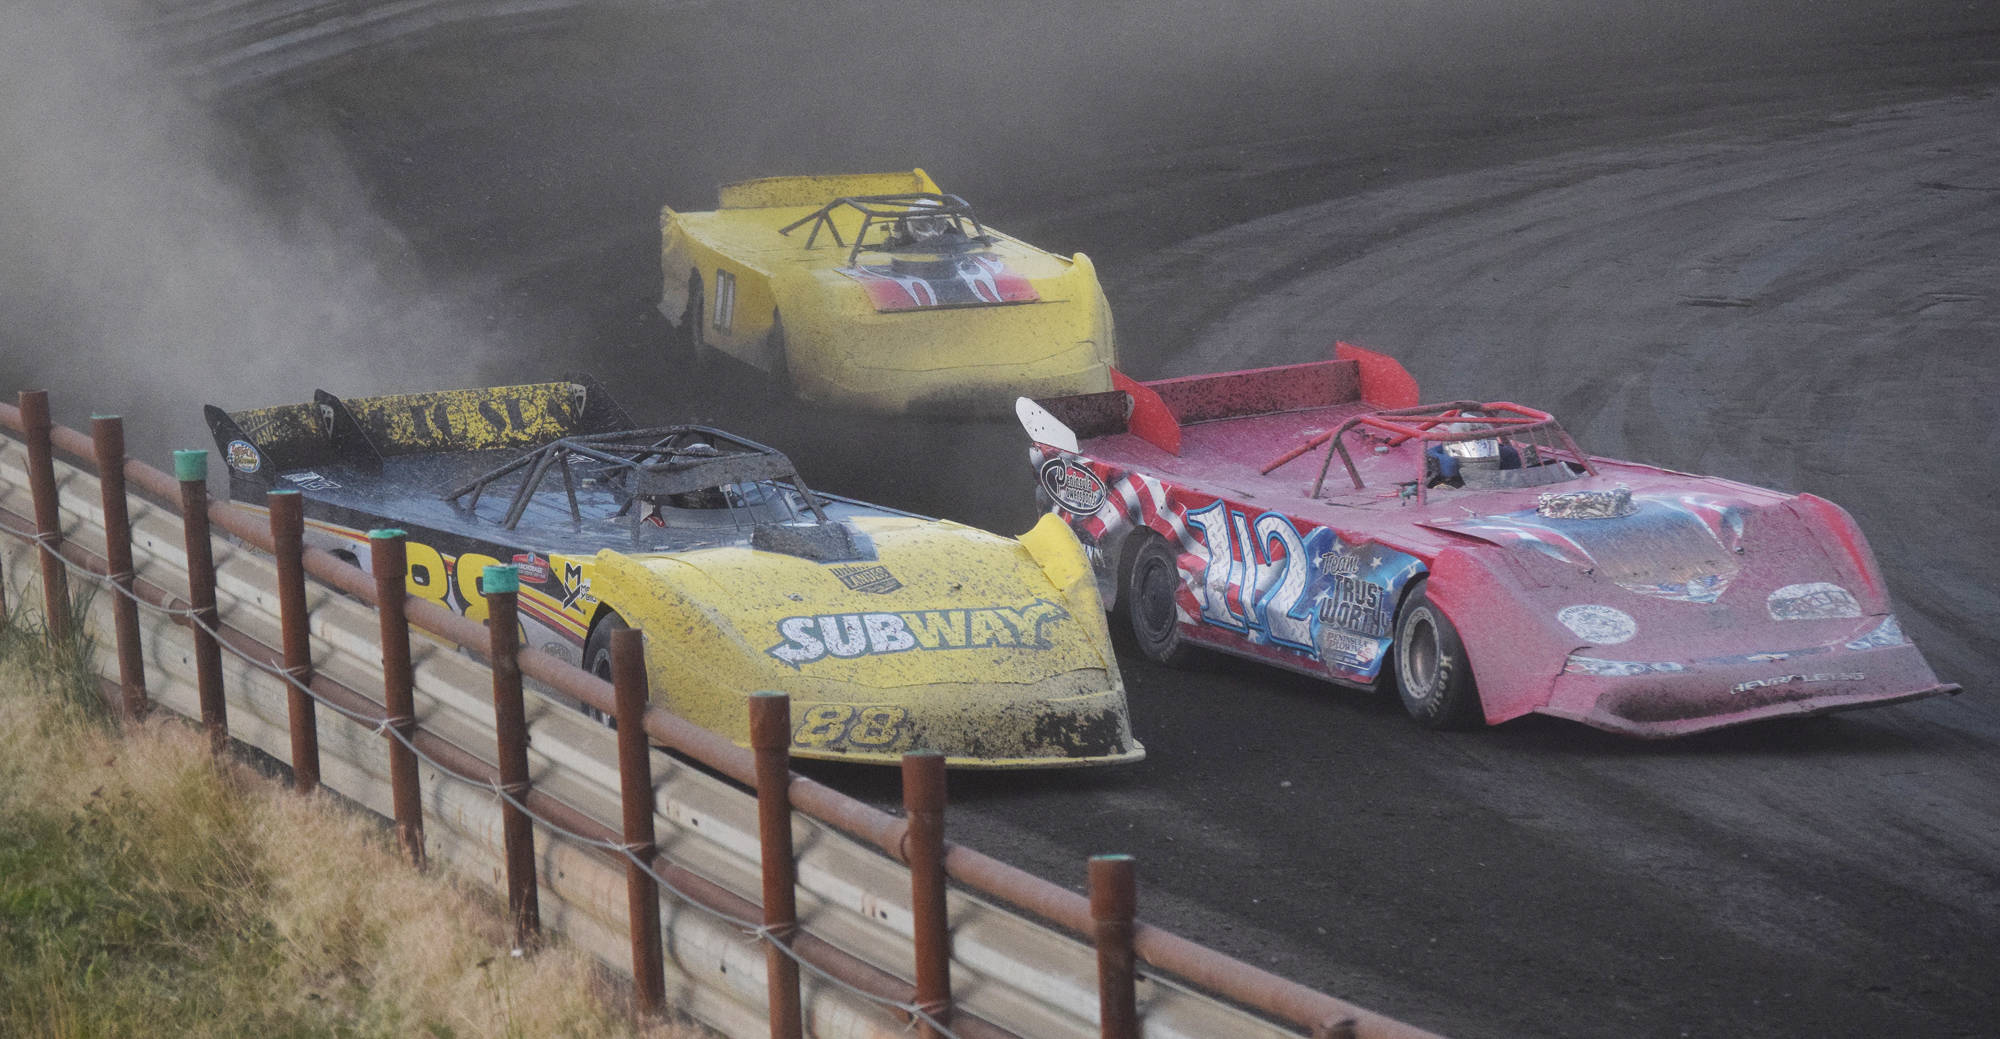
<point>756,931</point>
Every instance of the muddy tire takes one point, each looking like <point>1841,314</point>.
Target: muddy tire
<point>597,657</point>
<point>1433,674</point>
<point>1148,580</point>
<point>779,378</point>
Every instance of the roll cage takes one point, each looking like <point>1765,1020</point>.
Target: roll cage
<point>638,466</point>
<point>895,213</point>
<point>1537,438</point>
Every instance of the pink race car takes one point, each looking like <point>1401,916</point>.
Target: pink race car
<point>1317,517</point>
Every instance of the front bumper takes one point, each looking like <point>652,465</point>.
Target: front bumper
<point>974,725</point>
<point>1666,700</point>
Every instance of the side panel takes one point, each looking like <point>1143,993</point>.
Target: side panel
<point>738,304</point>
<point>1255,583</point>
<point>555,601</point>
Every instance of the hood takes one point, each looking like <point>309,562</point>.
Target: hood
<point>991,650</point>
<point>1661,572</point>
<point>919,602</point>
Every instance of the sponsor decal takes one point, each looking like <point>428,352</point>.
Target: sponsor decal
<point>1888,633</point>
<point>1340,647</point>
<point>311,481</point>
<point>1073,485</point>
<point>243,457</point>
<point>1814,601</point>
<point>532,568</point>
<point>1602,625</point>
<point>575,587</point>
<point>1765,683</point>
<point>1357,605</point>
<point>872,578</point>
<point>1339,564</point>
<point>846,636</point>
<point>1576,665</point>
<point>1612,504</point>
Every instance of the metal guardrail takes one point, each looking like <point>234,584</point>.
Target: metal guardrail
<point>863,926</point>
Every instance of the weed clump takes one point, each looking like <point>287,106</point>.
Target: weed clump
<point>148,889</point>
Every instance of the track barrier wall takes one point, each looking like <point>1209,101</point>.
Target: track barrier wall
<point>795,911</point>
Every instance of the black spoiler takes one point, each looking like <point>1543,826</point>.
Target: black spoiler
<point>261,444</point>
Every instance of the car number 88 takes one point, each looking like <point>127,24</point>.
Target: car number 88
<point>874,727</point>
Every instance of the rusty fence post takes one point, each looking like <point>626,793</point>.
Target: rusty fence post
<point>191,469</point>
<point>288,538</point>
<point>107,438</point>
<point>48,515</point>
<point>501,585</point>
<point>635,778</point>
<point>923,805</point>
<point>771,741</point>
<point>1113,905</point>
<point>389,559</point>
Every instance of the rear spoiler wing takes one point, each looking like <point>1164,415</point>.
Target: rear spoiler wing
<point>766,192</point>
<point>262,444</point>
<point>1155,411</point>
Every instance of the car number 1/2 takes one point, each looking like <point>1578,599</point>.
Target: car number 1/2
<point>1254,574</point>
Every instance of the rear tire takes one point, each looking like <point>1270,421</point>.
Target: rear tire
<point>692,335</point>
<point>1149,581</point>
<point>1433,674</point>
<point>780,374</point>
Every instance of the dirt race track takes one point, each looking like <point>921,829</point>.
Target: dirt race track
<point>1764,245</point>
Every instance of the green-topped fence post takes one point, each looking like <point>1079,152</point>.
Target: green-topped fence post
<point>191,469</point>
<point>501,585</point>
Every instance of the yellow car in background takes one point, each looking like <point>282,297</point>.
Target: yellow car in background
<point>881,293</point>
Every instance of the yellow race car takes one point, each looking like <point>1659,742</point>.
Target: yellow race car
<point>879,292</point>
<point>891,632</point>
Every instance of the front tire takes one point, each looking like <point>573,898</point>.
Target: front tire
<point>1149,582</point>
<point>1433,674</point>
<point>597,659</point>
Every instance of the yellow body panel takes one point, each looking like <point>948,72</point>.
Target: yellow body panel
<point>952,640</point>
<point>835,346</point>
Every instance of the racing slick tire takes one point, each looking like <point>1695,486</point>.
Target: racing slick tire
<point>1148,578</point>
<point>780,374</point>
<point>691,338</point>
<point>597,658</point>
<point>1433,675</point>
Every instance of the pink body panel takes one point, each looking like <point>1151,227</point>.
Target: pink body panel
<point>1707,603</point>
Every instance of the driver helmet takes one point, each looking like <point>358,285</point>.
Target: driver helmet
<point>922,224</point>
<point>1481,450</point>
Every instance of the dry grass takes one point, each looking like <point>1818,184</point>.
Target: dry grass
<point>146,891</point>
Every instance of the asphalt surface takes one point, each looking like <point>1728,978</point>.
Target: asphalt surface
<point>1761,244</point>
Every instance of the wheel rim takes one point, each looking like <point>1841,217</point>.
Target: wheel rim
<point>1420,657</point>
<point>1156,601</point>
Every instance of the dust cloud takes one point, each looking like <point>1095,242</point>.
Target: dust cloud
<point>354,233</point>
<point>141,274</point>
